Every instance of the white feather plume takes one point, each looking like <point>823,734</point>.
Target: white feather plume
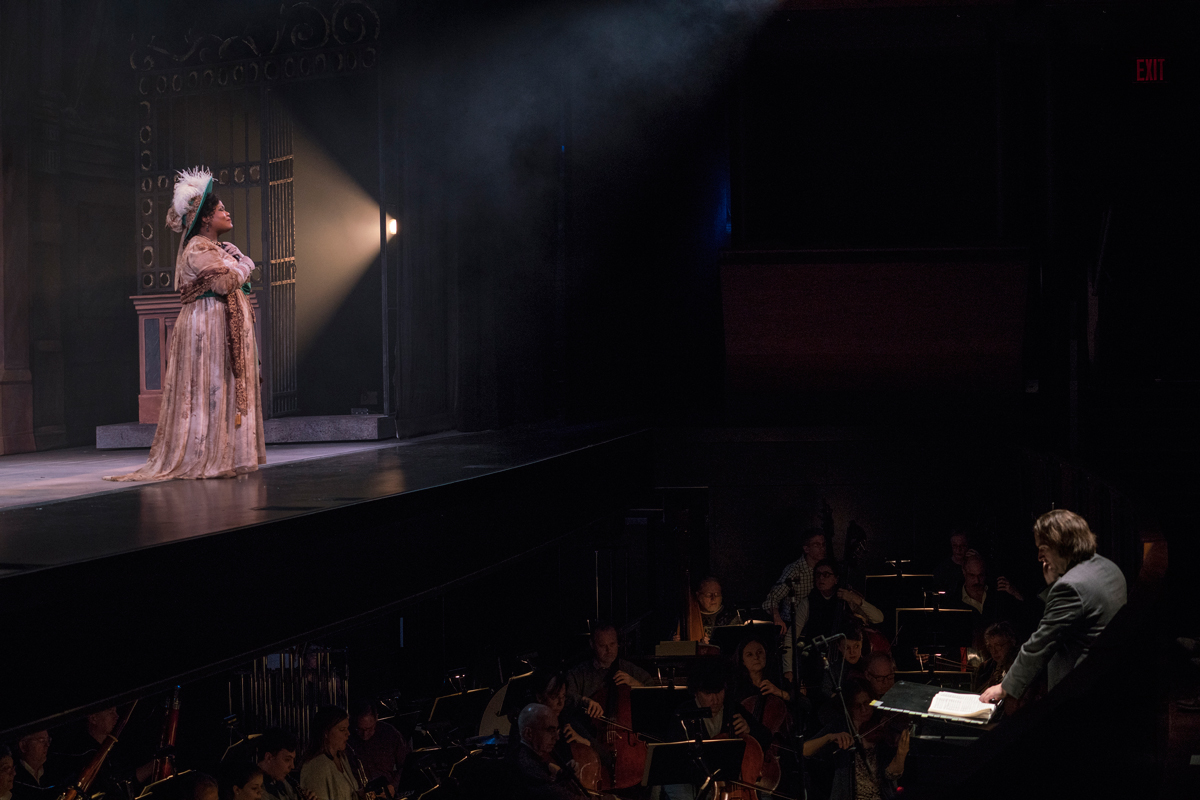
<point>189,189</point>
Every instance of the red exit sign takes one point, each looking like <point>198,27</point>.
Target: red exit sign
<point>1149,69</point>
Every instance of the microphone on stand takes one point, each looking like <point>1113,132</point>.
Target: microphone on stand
<point>823,641</point>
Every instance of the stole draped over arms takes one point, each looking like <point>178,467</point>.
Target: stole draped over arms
<point>210,422</point>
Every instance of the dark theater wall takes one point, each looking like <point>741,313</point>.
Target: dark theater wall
<point>903,322</point>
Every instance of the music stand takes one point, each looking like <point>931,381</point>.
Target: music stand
<point>452,711</point>
<point>675,763</point>
<point>652,710</point>
<point>933,630</point>
<point>728,637</point>
<point>517,695</point>
<point>914,699</point>
<point>168,782</point>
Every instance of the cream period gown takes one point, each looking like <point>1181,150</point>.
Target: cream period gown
<point>197,434</point>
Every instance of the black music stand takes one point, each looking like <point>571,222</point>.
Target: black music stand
<point>652,710</point>
<point>728,637</point>
<point>933,630</point>
<point>167,787</point>
<point>518,694</point>
<point>914,699</point>
<point>452,712</point>
<point>675,763</point>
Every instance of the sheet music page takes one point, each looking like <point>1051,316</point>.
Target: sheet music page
<point>955,704</point>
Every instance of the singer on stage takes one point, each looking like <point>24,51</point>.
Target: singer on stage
<point>1085,592</point>
<point>210,422</point>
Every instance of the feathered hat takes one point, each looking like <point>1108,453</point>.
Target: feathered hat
<point>192,188</point>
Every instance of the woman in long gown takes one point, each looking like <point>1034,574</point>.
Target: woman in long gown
<point>210,422</point>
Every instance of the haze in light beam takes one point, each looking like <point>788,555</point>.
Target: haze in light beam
<point>337,236</point>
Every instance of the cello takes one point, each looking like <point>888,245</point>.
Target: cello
<point>624,751</point>
<point>772,712</point>
<point>752,768</point>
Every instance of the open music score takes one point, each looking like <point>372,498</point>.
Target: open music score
<point>958,704</point>
<point>917,700</point>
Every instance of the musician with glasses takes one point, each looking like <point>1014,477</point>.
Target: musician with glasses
<point>34,749</point>
<point>710,601</point>
<point>798,574</point>
<point>880,673</point>
<point>824,612</point>
<point>380,747</point>
<point>538,775</point>
<point>860,764</point>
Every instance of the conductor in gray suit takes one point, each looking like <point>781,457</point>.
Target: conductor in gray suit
<point>1085,592</point>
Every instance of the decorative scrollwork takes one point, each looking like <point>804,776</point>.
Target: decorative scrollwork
<point>354,21</point>
<point>302,26</point>
<point>307,27</point>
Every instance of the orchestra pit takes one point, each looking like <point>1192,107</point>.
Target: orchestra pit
<point>638,399</point>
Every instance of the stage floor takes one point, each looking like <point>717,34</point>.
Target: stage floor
<point>55,509</point>
<point>39,478</point>
<point>163,583</point>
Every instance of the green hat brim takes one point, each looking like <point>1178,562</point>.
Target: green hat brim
<point>196,217</point>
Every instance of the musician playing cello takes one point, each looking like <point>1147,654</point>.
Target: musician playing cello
<point>586,678</point>
<point>707,685</point>
<point>540,776</point>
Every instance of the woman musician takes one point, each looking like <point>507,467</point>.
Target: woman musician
<point>327,772</point>
<point>762,700</point>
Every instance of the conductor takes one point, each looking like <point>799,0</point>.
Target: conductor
<point>1084,593</point>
